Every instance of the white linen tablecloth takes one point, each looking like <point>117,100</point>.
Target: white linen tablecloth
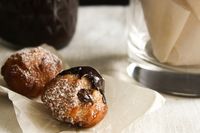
<point>100,41</point>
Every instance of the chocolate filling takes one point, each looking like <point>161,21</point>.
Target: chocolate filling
<point>84,96</point>
<point>91,74</point>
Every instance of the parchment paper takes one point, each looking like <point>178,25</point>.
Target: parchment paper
<point>174,27</point>
<point>126,103</point>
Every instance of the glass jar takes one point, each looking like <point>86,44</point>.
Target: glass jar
<point>32,22</point>
<point>163,45</point>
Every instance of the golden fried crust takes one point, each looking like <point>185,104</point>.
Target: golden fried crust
<point>28,70</point>
<point>72,99</point>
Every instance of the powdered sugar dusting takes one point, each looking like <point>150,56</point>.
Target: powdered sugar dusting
<point>23,74</point>
<point>29,55</point>
<point>60,98</point>
<point>37,56</point>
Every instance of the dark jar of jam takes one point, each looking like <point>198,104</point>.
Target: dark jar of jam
<point>33,22</point>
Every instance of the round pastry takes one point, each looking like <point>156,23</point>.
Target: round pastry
<point>76,96</point>
<point>28,70</point>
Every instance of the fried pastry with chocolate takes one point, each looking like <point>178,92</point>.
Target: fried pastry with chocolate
<point>76,96</point>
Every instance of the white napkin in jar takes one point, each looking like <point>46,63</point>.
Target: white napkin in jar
<point>174,27</point>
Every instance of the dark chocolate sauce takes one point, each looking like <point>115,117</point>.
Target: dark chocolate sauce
<point>84,96</point>
<point>91,74</point>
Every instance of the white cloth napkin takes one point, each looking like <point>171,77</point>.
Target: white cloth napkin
<point>174,27</point>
